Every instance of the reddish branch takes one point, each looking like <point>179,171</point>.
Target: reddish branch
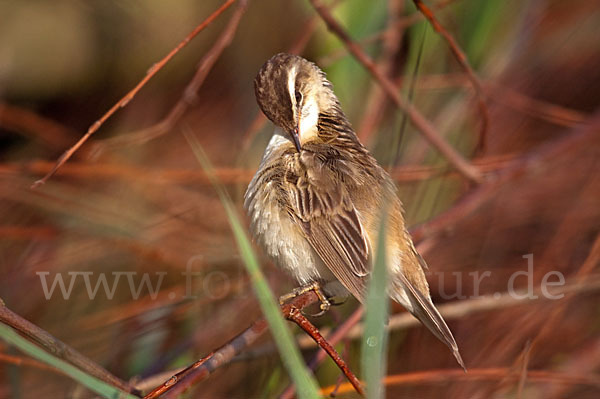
<point>175,379</point>
<point>524,164</point>
<point>463,308</point>
<point>25,361</point>
<point>491,374</point>
<point>26,122</point>
<point>204,367</point>
<point>464,63</point>
<point>190,93</point>
<point>400,24</point>
<point>296,316</point>
<point>421,123</point>
<point>129,96</point>
<point>524,360</point>
<point>378,100</point>
<point>401,174</point>
<point>553,113</point>
<point>200,370</point>
<point>592,261</point>
<point>339,334</point>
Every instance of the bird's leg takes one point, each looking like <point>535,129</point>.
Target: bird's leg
<point>314,286</point>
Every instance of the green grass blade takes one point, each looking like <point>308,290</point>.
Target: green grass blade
<point>374,360</point>
<point>92,383</point>
<point>306,386</point>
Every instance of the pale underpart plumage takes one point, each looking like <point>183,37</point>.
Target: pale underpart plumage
<point>284,240</point>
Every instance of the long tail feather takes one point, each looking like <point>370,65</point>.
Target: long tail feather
<point>424,310</point>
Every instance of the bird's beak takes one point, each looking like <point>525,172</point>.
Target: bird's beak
<point>296,138</point>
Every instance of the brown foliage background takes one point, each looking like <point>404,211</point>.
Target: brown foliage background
<point>134,198</point>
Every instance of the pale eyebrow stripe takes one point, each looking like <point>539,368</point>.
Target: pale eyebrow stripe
<point>291,86</point>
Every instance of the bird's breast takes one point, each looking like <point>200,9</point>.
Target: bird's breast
<point>270,222</point>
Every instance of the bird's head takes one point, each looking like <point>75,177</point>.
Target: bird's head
<point>292,92</point>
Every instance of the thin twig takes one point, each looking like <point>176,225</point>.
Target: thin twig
<point>378,101</point>
<point>401,24</point>
<point>462,308</point>
<point>18,232</point>
<point>60,349</point>
<point>21,120</point>
<point>25,361</point>
<point>421,123</point>
<point>490,374</point>
<point>129,96</point>
<point>202,369</point>
<point>523,371</point>
<point>190,93</point>
<point>586,360</point>
<point>524,164</point>
<point>333,339</point>
<point>401,174</point>
<point>464,63</point>
<point>296,316</point>
<point>506,96</point>
<point>553,113</point>
<point>591,262</point>
<point>167,385</point>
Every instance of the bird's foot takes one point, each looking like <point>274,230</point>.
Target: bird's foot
<point>314,286</point>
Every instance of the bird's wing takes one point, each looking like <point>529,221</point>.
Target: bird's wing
<point>332,226</point>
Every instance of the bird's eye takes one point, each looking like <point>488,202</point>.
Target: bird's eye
<point>298,97</point>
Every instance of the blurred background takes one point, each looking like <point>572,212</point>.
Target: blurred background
<point>133,201</point>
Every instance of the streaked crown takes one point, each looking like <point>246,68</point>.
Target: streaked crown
<point>292,92</point>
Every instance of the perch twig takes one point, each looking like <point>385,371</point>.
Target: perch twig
<point>200,370</point>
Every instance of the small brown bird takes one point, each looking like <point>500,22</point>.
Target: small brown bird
<point>316,201</point>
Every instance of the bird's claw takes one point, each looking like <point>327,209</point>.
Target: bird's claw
<point>316,287</point>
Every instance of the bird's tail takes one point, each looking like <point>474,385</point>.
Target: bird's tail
<point>423,309</point>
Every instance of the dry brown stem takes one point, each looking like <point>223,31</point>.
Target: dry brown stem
<point>297,317</point>
<point>522,165</point>
<point>129,96</point>
<point>190,93</point>
<point>401,174</point>
<point>490,374</point>
<point>401,23</point>
<point>378,100</point>
<point>465,168</point>
<point>460,309</point>
<point>26,122</point>
<point>200,370</point>
<point>524,366</point>
<point>464,63</point>
<point>25,361</point>
<point>60,349</point>
<point>336,336</point>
